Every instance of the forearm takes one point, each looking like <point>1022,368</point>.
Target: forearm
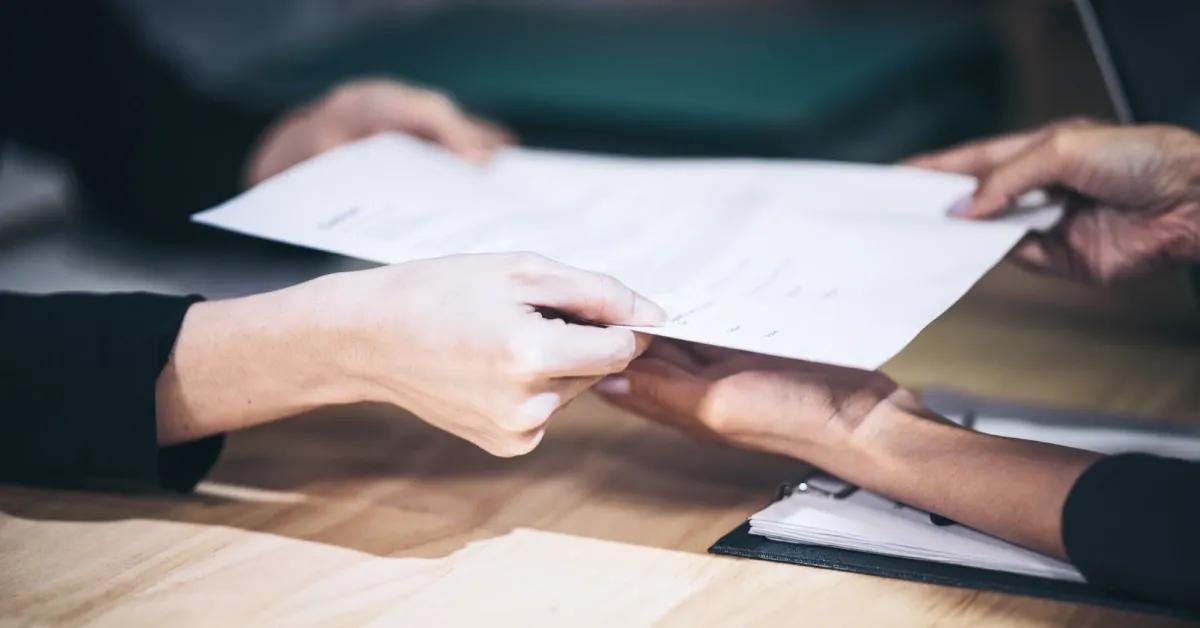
<point>246,361</point>
<point>1010,488</point>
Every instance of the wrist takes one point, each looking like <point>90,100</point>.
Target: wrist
<point>311,341</point>
<point>872,451</point>
<point>343,339</point>
<point>240,362</point>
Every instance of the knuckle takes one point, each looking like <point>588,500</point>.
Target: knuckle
<point>1178,139</point>
<point>526,262</point>
<point>437,101</point>
<point>1062,142</point>
<point>718,410</point>
<point>525,444</point>
<point>346,97</point>
<point>517,418</point>
<point>1078,122</point>
<point>713,413</point>
<point>495,448</point>
<point>625,349</point>
<point>325,140</point>
<point>654,388</point>
<point>612,296</point>
<point>524,359</point>
<point>502,451</point>
<point>990,186</point>
<point>511,445</point>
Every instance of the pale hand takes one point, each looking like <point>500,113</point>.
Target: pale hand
<point>459,341</point>
<point>360,109</point>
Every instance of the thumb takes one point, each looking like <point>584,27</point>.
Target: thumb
<point>594,297</point>
<point>1050,253</point>
<point>1033,253</point>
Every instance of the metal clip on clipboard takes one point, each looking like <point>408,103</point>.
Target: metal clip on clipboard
<point>817,483</point>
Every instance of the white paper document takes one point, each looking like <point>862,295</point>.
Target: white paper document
<point>826,262</point>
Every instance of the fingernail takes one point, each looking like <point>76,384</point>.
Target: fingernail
<point>613,385</point>
<point>960,206</point>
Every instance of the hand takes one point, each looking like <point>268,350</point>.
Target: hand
<point>363,108</point>
<point>788,407</point>
<point>459,341</point>
<point>1136,194</point>
<point>861,427</point>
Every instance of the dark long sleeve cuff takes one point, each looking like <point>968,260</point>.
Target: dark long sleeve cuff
<point>77,391</point>
<point>1132,523</point>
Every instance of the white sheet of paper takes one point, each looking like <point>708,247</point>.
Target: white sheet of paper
<point>867,522</point>
<point>828,262</point>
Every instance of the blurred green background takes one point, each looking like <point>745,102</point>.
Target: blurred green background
<point>849,79</point>
<point>765,80</point>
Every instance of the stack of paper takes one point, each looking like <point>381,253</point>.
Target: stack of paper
<point>826,262</point>
<point>868,522</point>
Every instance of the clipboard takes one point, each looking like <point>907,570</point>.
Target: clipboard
<point>741,543</point>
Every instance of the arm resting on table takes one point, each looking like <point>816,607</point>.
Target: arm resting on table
<point>1129,523</point>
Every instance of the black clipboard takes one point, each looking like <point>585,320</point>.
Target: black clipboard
<point>741,543</point>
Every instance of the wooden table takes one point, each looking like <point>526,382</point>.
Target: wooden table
<point>363,514</point>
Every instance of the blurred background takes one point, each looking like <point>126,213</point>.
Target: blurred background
<point>870,80</point>
<point>866,80</point>
<point>848,79</point>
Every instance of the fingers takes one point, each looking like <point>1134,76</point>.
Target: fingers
<point>668,394</point>
<point>593,297</point>
<point>658,389</point>
<point>1012,166</point>
<point>555,349</point>
<point>367,107</point>
<point>510,444</point>
<point>977,158</point>
<point>1008,166</point>
<point>675,352</point>
<point>520,429</point>
<point>980,157</point>
<point>618,395</point>
<point>435,117</point>
<point>1038,166</point>
<point>1033,253</point>
<point>498,135</point>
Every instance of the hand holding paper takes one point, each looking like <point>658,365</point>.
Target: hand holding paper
<point>1136,203</point>
<point>458,341</point>
<point>832,263</point>
<point>469,352</point>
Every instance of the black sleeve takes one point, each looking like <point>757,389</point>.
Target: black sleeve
<point>1132,523</point>
<point>77,391</point>
<point>145,149</point>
